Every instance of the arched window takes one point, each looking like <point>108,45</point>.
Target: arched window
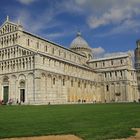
<point>107,88</point>
<point>90,85</point>
<point>96,64</point>
<point>122,73</point>
<point>52,50</point>
<point>121,61</point>
<point>59,52</point>
<point>115,73</point>
<point>43,60</point>
<point>105,74</point>
<point>72,83</point>
<point>46,48</point>
<point>37,45</point>
<point>79,84</point>
<point>63,82</point>
<point>64,54</point>
<point>111,62</point>
<point>28,43</point>
<point>103,63</point>
<point>85,85</point>
<point>53,81</point>
<point>23,52</point>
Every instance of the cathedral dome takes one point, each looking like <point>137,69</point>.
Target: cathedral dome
<point>79,43</point>
<point>80,46</point>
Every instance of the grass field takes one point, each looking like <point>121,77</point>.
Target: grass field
<point>90,122</point>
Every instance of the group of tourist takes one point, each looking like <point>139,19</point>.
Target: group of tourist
<point>2,102</point>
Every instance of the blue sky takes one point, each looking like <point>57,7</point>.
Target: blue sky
<point>108,25</point>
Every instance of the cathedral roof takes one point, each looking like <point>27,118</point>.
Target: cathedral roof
<point>79,42</point>
<point>111,57</point>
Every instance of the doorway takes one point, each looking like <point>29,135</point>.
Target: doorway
<point>22,91</point>
<point>5,94</point>
<point>22,95</point>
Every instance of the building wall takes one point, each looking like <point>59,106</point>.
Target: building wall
<point>43,72</point>
<point>118,78</point>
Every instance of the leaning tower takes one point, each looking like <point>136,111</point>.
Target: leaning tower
<point>137,62</point>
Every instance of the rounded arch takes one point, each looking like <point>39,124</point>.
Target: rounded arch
<point>22,84</point>
<point>54,79</point>
<point>30,74</point>
<point>49,75</point>
<point>43,74</point>
<point>59,77</point>
<point>22,76</point>
<point>5,80</point>
<point>14,77</point>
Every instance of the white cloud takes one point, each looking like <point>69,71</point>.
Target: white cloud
<point>47,19</point>
<point>127,27</point>
<point>113,16</point>
<point>114,54</point>
<point>131,52</point>
<point>97,13</point>
<point>26,2</point>
<point>42,21</point>
<point>111,12</point>
<point>70,7</point>
<point>55,35</point>
<point>98,52</point>
<point>80,2</point>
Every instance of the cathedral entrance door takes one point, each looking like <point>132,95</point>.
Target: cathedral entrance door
<point>5,94</point>
<point>22,95</point>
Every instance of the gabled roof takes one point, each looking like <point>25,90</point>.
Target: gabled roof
<point>9,26</point>
<point>8,22</point>
<point>41,38</point>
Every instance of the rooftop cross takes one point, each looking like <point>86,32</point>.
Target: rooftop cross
<point>79,33</point>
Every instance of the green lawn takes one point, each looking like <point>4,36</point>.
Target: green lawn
<point>90,122</point>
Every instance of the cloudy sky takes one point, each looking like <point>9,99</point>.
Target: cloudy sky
<point>108,25</point>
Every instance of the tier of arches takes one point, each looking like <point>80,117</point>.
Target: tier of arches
<point>66,89</point>
<point>12,52</point>
<point>19,64</point>
<point>67,68</point>
<point>8,40</point>
<point>46,87</point>
<point>121,91</point>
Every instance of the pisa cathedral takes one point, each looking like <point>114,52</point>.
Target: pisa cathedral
<point>34,70</point>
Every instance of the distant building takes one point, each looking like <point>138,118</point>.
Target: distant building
<point>34,70</point>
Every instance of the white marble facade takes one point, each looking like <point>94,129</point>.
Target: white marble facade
<point>34,70</point>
